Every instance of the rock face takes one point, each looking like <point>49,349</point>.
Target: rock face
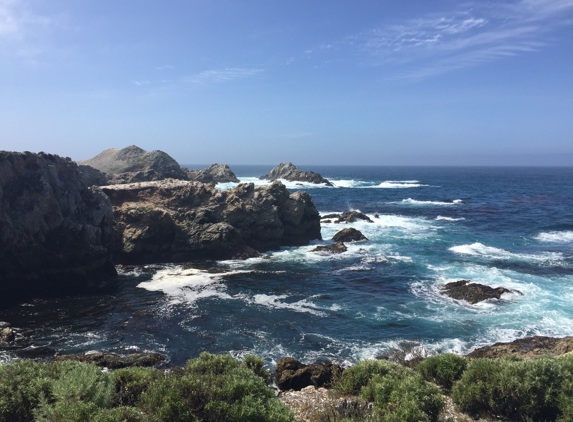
<point>349,235</point>
<point>114,361</point>
<point>294,375</point>
<point>133,164</point>
<point>337,247</point>
<point>473,292</point>
<point>288,171</point>
<point>216,173</point>
<point>54,231</point>
<point>347,217</point>
<point>177,221</point>
<point>526,348</point>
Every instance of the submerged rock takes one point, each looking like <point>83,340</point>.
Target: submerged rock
<point>55,232</point>
<point>133,164</point>
<point>337,247</point>
<point>349,235</point>
<point>526,347</point>
<point>473,292</point>
<point>290,172</point>
<point>294,375</point>
<point>177,221</point>
<point>114,361</point>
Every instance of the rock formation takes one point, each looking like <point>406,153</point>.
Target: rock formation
<point>288,171</point>
<point>473,292</point>
<point>527,348</point>
<point>177,221</point>
<point>337,247</point>
<point>348,235</point>
<point>54,231</point>
<point>215,173</point>
<point>7,334</point>
<point>294,375</point>
<point>133,164</point>
<point>347,217</point>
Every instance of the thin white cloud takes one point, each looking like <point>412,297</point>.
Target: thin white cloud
<point>217,76</point>
<point>478,33</point>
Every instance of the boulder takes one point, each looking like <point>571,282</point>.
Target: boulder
<point>352,216</point>
<point>178,221</point>
<point>7,334</point>
<point>92,176</point>
<point>348,235</point>
<point>133,164</point>
<point>337,247</point>
<point>526,347</point>
<point>55,232</point>
<point>216,173</point>
<point>294,375</point>
<point>114,361</point>
<point>473,292</point>
<point>288,171</point>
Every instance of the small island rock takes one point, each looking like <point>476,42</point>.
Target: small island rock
<point>473,292</point>
<point>349,235</point>
<point>290,172</point>
<point>215,173</point>
<point>337,247</point>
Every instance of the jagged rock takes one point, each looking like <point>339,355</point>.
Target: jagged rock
<point>177,221</point>
<point>216,173</point>
<point>54,230</point>
<point>352,216</point>
<point>294,375</point>
<point>337,247</point>
<point>7,334</point>
<point>114,361</point>
<point>330,216</point>
<point>133,164</point>
<point>288,171</point>
<point>92,176</point>
<point>526,347</point>
<point>348,235</point>
<point>473,292</point>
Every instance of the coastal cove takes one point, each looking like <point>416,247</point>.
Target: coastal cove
<point>509,227</point>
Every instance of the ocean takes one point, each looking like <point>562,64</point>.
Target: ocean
<point>510,227</point>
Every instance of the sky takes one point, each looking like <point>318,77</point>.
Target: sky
<point>340,82</point>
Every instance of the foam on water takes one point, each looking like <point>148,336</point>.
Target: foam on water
<point>490,252</point>
<point>337,183</point>
<point>405,184</point>
<point>442,218</point>
<point>415,202</point>
<point>555,237</point>
<point>278,302</point>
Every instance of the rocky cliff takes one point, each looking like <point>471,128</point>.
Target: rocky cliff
<point>288,171</point>
<point>54,230</point>
<point>215,173</point>
<point>177,221</point>
<point>133,164</point>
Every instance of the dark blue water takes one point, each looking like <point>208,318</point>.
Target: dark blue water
<point>510,227</point>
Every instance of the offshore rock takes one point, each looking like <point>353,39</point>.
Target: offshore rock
<point>288,171</point>
<point>114,361</point>
<point>215,173</point>
<point>177,221</point>
<point>347,217</point>
<point>7,334</point>
<point>526,347</point>
<point>294,375</point>
<point>337,247</point>
<point>133,164</point>
<point>473,292</point>
<point>54,230</point>
<point>349,235</point>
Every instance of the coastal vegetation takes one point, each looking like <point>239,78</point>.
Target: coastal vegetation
<point>219,387</point>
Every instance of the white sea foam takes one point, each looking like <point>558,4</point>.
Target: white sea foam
<point>489,252</point>
<point>555,237</point>
<point>337,183</point>
<point>442,218</point>
<point>277,302</point>
<point>404,184</point>
<point>415,202</point>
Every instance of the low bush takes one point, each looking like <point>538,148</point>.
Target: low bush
<point>520,390</point>
<point>443,370</point>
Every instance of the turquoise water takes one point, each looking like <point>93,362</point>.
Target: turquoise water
<point>510,227</point>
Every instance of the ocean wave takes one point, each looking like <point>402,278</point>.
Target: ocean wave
<point>410,201</point>
<point>337,183</point>
<point>442,218</point>
<point>404,184</point>
<point>277,302</point>
<point>555,237</point>
<point>490,252</point>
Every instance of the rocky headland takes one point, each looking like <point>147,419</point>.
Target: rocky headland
<point>54,230</point>
<point>178,221</point>
<point>290,172</point>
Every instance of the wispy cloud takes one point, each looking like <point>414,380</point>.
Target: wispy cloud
<point>477,33</point>
<point>217,76</point>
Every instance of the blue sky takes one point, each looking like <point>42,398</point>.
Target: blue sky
<point>260,82</point>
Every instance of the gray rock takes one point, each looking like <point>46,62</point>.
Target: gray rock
<point>7,335</point>
<point>54,230</point>
<point>92,176</point>
<point>349,235</point>
<point>473,292</point>
<point>177,221</point>
<point>288,171</point>
<point>133,164</point>
<point>294,375</point>
<point>337,247</point>
<point>216,173</point>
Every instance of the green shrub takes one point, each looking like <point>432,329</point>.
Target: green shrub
<point>359,375</point>
<point>520,390</point>
<point>443,370</point>
<point>256,364</point>
<point>131,382</point>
